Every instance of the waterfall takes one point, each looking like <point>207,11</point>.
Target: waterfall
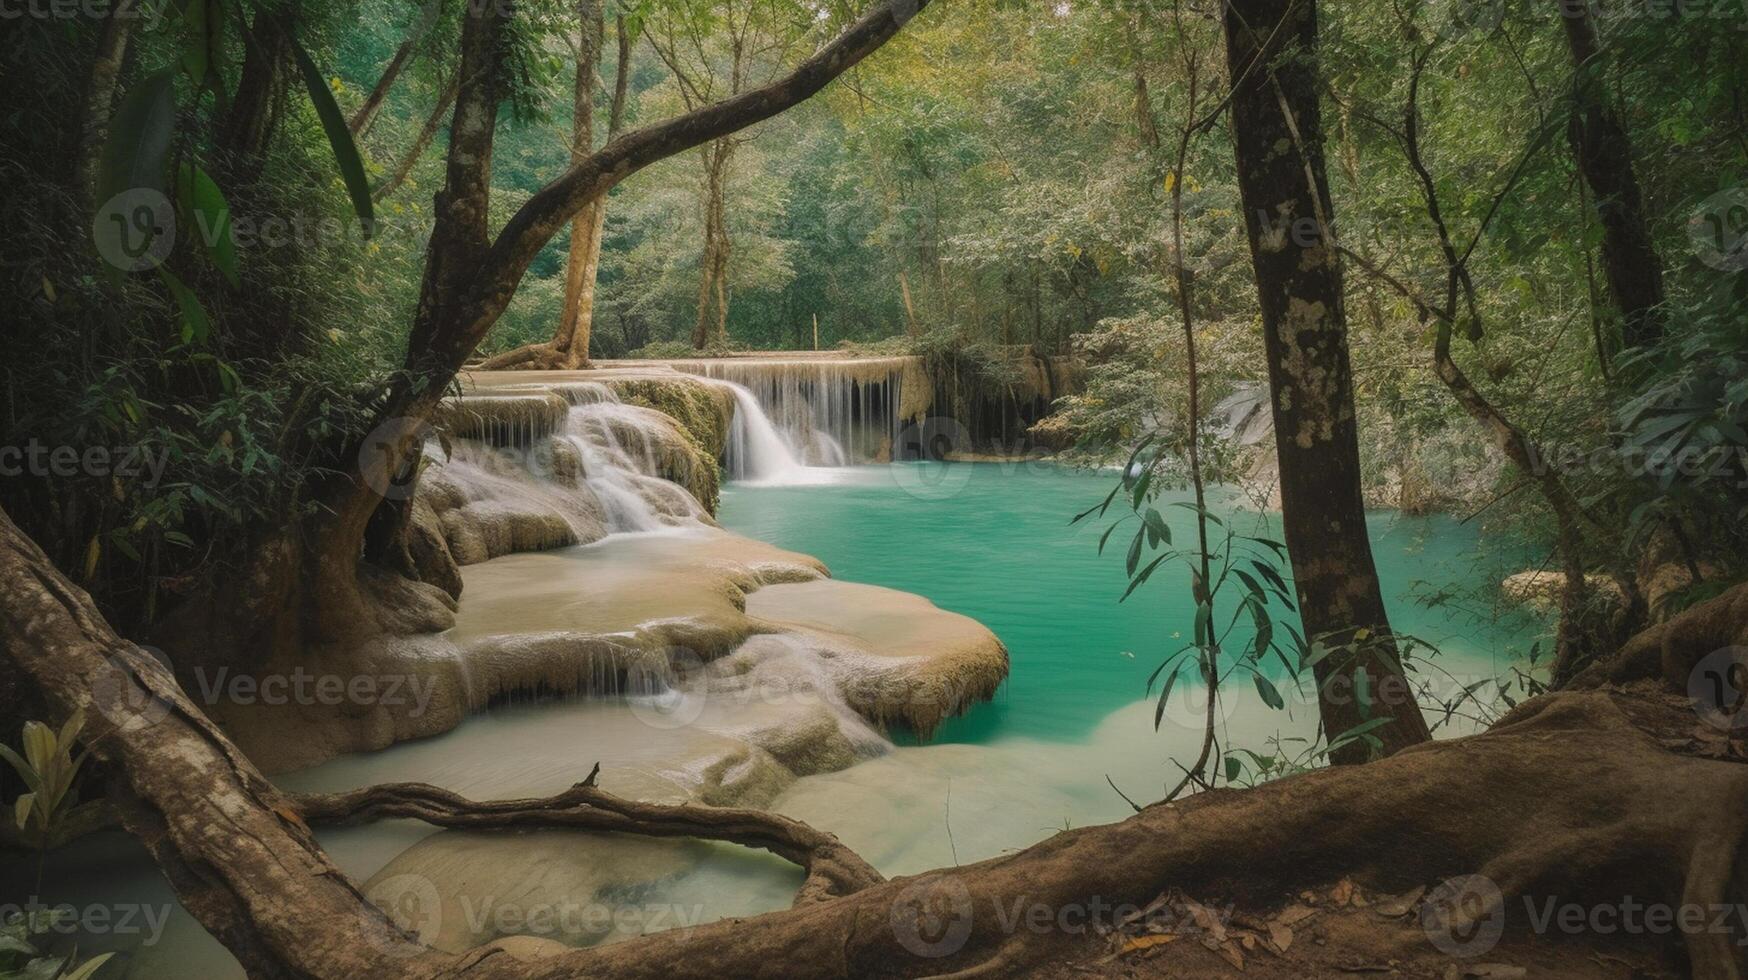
<point>597,465</point>
<point>830,410</point>
<point>758,453</point>
<point>621,471</point>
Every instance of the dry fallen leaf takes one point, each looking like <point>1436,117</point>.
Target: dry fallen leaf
<point>1280,936</point>
<point>1229,950</point>
<point>1148,912</point>
<point>1148,942</point>
<point>1400,905</point>
<point>1294,914</point>
<point>1342,893</point>
<point>1205,920</point>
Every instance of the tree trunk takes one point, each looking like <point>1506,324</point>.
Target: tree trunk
<point>712,322</point>
<point>911,327</point>
<point>366,114</point>
<point>427,132</point>
<point>1599,142</point>
<point>570,344</point>
<point>100,100</point>
<point>248,126</point>
<point>1278,139</point>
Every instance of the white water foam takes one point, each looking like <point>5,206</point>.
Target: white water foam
<point>759,454</point>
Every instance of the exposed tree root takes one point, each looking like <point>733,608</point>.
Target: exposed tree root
<point>1672,649</point>
<point>533,357</point>
<point>1564,800</point>
<point>832,869</point>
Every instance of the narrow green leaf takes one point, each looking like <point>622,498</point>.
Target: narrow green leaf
<point>1270,696</point>
<point>1159,709</point>
<point>339,136</point>
<point>196,328</point>
<point>1140,492</point>
<point>1106,536</point>
<point>1141,579</point>
<point>25,770</point>
<point>203,46</point>
<point>136,155</point>
<point>88,968</point>
<point>210,214</point>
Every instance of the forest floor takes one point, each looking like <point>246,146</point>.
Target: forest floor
<point>1341,931</point>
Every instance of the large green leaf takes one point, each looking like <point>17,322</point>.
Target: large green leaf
<point>200,199</point>
<point>196,327</point>
<point>138,148</point>
<point>339,136</point>
<point>203,23</point>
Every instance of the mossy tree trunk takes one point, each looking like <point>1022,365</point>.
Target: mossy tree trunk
<point>1277,129</point>
<point>1630,263</point>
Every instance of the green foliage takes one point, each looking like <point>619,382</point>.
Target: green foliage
<point>20,959</point>
<point>48,768</point>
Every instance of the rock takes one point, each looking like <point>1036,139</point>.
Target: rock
<point>1540,590</point>
<point>457,890</point>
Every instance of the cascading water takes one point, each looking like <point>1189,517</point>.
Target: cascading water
<point>830,411</point>
<point>596,464</point>
<point>758,453</point>
<point>621,471</point>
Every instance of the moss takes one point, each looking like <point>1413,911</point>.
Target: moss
<point>702,412</point>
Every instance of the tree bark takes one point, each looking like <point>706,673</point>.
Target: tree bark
<point>118,28</point>
<point>711,324</point>
<point>248,126</point>
<point>366,114</point>
<point>1631,266</point>
<point>1271,50</point>
<point>570,344</point>
<point>427,132</point>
